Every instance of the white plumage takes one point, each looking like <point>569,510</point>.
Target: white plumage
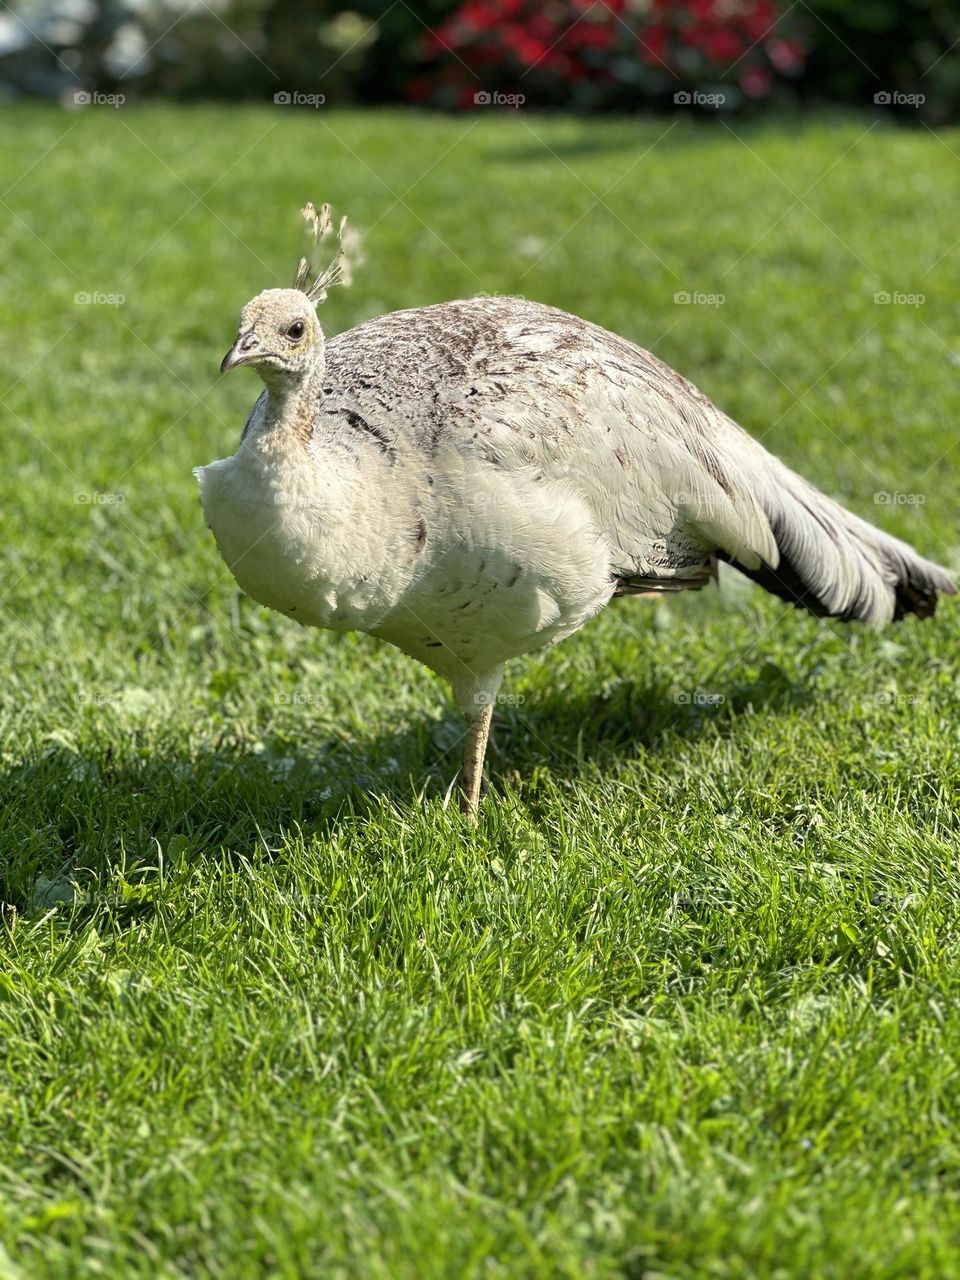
<point>474,480</point>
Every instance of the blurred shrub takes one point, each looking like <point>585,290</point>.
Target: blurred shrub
<point>224,49</point>
<point>397,54</point>
<point>587,55</point>
<point>865,49</point>
<point>619,54</point>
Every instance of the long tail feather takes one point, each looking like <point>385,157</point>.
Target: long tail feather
<point>836,565</point>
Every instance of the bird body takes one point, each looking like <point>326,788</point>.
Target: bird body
<point>475,480</point>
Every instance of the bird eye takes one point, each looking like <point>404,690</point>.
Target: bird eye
<point>296,329</point>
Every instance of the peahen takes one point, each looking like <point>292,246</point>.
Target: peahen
<point>474,480</point>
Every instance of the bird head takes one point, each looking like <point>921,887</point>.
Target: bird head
<point>279,333</point>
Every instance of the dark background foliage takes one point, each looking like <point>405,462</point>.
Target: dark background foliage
<point>584,55</point>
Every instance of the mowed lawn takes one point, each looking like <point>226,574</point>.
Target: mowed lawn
<point>687,1001</point>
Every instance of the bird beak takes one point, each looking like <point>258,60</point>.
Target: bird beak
<point>243,351</point>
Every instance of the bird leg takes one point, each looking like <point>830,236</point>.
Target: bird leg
<point>474,750</point>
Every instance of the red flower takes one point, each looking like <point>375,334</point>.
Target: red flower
<point>760,23</point>
<point>476,15</point>
<point>652,45</point>
<point>570,41</point>
<point>786,55</point>
<point>523,45</point>
<point>723,45</point>
<point>756,82</point>
<point>594,36</point>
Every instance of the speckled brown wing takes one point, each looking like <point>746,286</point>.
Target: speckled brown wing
<point>516,386</point>
<point>673,482</point>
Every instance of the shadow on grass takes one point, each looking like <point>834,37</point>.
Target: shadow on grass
<point>65,812</point>
<point>587,144</point>
<point>568,731</point>
<point>681,132</point>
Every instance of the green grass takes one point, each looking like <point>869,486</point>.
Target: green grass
<point>687,1002</point>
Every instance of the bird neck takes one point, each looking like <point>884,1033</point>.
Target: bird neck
<point>292,399</point>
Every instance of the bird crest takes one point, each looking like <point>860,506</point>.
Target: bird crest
<point>339,271</point>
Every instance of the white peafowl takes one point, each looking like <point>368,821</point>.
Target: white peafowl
<point>475,480</point>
